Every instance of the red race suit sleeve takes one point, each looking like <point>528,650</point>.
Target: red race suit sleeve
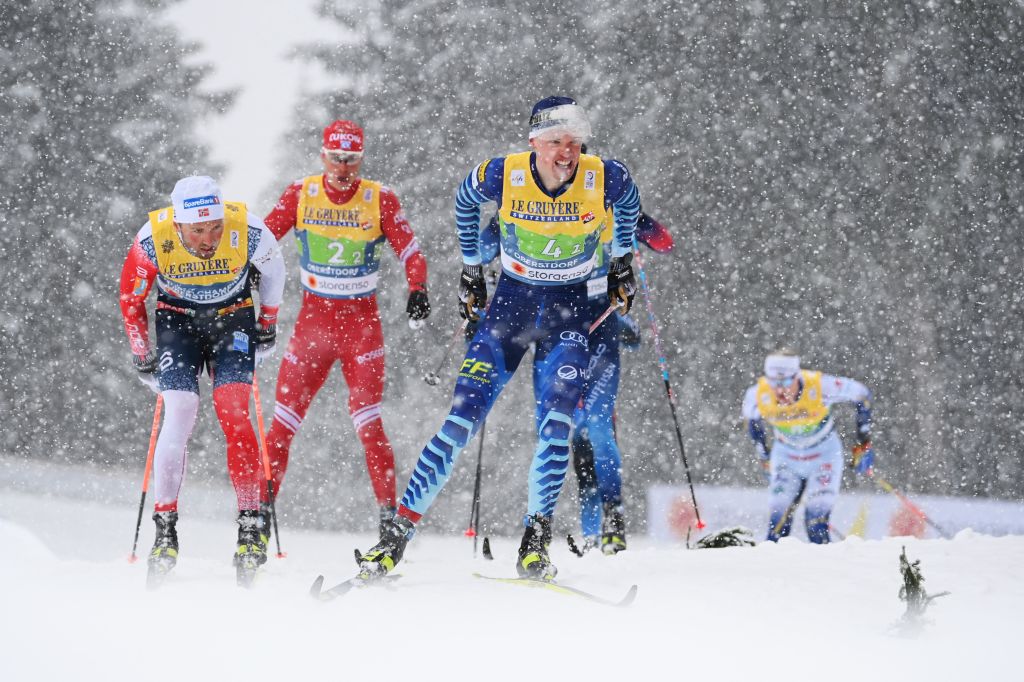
<point>398,232</point>
<point>137,276</point>
<point>281,218</point>
<point>653,234</point>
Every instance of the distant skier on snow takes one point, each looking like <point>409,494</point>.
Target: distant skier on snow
<point>341,222</point>
<point>806,457</point>
<point>552,206</point>
<point>199,251</point>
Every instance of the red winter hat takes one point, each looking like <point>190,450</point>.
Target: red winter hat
<point>343,136</point>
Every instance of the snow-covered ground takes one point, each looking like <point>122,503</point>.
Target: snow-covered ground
<point>74,608</point>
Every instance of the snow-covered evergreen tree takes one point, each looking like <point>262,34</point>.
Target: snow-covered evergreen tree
<point>96,124</point>
<point>848,183</point>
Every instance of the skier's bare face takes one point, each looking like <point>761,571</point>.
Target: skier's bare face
<point>201,239</point>
<point>558,154</point>
<point>341,168</point>
<point>786,394</point>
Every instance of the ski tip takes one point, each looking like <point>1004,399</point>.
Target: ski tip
<point>245,578</point>
<point>314,589</point>
<point>629,598</point>
<point>487,549</point>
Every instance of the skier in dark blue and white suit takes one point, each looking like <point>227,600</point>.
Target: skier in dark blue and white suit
<point>595,449</point>
<point>552,205</point>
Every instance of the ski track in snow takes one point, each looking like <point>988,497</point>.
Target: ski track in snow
<point>73,606</point>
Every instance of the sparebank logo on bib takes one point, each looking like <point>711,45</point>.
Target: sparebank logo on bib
<point>568,372</point>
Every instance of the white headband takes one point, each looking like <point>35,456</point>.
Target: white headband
<point>781,366</point>
<point>565,117</point>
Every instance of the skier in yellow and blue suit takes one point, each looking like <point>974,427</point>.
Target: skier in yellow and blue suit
<point>552,205</point>
<point>595,450</point>
<point>806,457</point>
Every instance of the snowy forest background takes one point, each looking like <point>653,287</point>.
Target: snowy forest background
<point>842,178</point>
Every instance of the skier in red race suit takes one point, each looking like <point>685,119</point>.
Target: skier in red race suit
<point>341,222</point>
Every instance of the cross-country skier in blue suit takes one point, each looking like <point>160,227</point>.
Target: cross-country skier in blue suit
<point>595,449</point>
<point>596,456</point>
<point>553,205</point>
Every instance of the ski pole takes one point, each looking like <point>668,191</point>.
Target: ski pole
<point>884,485</point>
<point>837,532</point>
<point>663,364</point>
<point>604,316</point>
<point>474,512</point>
<point>145,477</point>
<point>790,510</point>
<point>433,378</point>
<point>266,464</point>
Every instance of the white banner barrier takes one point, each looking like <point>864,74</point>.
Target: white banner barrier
<point>872,516</point>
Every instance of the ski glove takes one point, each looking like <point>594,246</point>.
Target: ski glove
<point>766,463</point>
<point>469,331</point>
<point>863,457</point>
<point>621,283</point>
<point>418,306</point>
<point>472,292</point>
<point>146,366</point>
<point>629,332</point>
<point>266,334</point>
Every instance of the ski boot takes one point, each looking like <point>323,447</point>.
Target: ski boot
<point>251,552</point>
<point>165,548</point>
<point>267,520</point>
<point>533,561</point>
<point>382,558</point>
<point>613,530</point>
<point>386,514</point>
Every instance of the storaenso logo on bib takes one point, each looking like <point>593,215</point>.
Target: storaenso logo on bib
<point>557,272</point>
<point>568,372</point>
<point>330,286</point>
<point>573,336</point>
<point>341,286</point>
<point>200,201</point>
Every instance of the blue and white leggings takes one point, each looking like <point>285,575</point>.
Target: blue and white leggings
<point>555,320</point>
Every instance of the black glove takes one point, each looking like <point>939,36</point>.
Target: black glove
<point>146,366</point>
<point>472,292</point>
<point>469,331</point>
<point>418,306</point>
<point>266,340</point>
<point>621,283</point>
<point>629,332</point>
<point>266,335</point>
